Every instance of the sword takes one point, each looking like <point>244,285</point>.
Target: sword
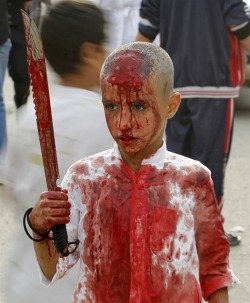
<point>41,98</point>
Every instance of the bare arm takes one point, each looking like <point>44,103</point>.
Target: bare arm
<point>47,257</point>
<point>140,37</point>
<point>51,209</point>
<point>220,296</point>
<point>246,44</point>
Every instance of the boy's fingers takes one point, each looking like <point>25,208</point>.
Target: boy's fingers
<point>56,195</point>
<point>49,204</point>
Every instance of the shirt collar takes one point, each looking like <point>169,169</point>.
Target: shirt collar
<point>157,157</point>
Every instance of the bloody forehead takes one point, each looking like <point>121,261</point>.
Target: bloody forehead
<point>127,70</point>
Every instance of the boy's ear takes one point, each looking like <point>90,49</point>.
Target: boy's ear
<point>173,104</point>
<point>88,52</point>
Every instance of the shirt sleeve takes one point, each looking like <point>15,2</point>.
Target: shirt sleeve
<point>212,244</point>
<point>235,12</point>
<point>149,18</point>
<point>237,18</point>
<point>66,263</point>
<point>242,31</point>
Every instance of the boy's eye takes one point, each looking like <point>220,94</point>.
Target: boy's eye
<point>138,106</point>
<point>111,106</point>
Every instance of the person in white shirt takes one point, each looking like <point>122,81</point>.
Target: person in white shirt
<point>122,18</point>
<point>76,55</point>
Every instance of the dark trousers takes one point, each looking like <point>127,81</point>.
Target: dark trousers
<point>18,71</point>
<point>202,130</point>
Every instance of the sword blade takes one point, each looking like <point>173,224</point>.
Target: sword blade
<point>41,98</point>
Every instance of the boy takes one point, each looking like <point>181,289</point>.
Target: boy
<point>147,219</point>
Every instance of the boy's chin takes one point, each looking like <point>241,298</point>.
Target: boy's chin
<point>130,150</point>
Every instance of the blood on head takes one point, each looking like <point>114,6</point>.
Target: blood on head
<point>133,83</point>
<point>133,63</point>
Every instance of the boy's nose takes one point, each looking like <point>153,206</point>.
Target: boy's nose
<point>125,119</point>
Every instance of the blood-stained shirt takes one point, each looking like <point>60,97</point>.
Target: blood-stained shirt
<point>151,237</point>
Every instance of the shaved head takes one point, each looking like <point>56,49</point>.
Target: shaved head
<point>137,61</point>
<point>138,98</point>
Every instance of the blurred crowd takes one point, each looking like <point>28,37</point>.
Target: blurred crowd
<point>79,124</point>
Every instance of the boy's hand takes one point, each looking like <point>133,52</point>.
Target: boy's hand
<point>52,208</point>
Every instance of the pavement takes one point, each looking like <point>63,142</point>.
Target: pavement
<point>236,208</point>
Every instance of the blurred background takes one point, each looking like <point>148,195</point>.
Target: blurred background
<point>236,208</point>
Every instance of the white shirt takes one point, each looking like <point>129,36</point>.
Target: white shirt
<point>146,237</point>
<point>122,18</point>
<point>80,130</point>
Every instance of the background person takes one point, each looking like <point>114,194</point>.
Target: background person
<point>5,45</point>
<point>122,17</point>
<point>17,64</point>
<point>80,130</point>
<point>205,39</point>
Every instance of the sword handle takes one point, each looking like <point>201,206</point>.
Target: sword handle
<point>61,239</point>
<point>60,235</point>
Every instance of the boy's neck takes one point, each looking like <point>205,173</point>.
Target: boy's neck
<point>134,160</point>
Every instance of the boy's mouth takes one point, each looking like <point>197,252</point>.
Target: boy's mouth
<point>126,139</point>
